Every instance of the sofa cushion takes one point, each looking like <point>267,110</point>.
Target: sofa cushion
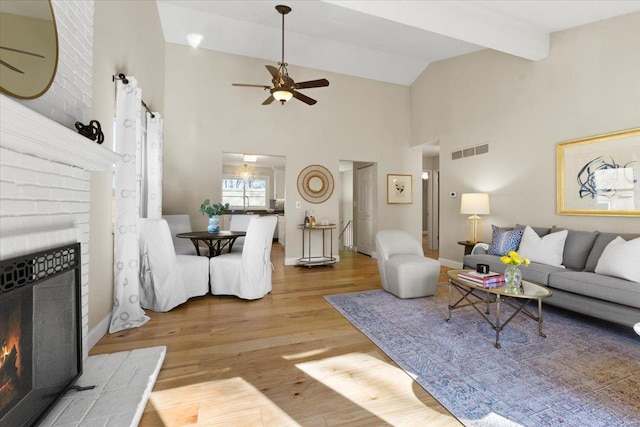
<point>504,240</point>
<point>576,247</point>
<point>621,259</point>
<point>599,286</point>
<point>545,250</point>
<point>601,242</point>
<point>540,231</point>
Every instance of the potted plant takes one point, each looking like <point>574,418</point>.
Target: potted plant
<point>213,211</point>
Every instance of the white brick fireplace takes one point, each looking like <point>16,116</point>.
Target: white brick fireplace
<point>45,171</point>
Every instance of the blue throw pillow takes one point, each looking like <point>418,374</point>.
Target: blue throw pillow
<point>504,240</point>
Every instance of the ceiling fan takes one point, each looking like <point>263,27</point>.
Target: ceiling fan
<point>284,88</point>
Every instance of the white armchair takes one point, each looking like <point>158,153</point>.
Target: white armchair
<point>404,270</point>
<point>246,274</point>
<point>167,279</point>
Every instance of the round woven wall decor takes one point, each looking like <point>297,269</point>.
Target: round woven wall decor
<point>315,184</point>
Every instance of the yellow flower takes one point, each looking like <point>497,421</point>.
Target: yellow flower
<point>512,258</point>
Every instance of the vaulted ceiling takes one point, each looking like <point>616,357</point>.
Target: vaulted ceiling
<point>390,41</point>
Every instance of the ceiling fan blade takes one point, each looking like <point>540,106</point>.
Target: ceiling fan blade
<point>304,98</point>
<point>269,100</point>
<point>248,85</point>
<point>273,71</point>
<point>312,83</point>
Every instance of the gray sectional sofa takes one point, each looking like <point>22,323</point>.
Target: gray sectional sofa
<point>577,287</point>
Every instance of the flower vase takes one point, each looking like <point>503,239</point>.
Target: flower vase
<point>513,278</point>
<point>214,225</point>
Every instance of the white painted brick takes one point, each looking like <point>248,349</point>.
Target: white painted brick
<point>50,179</point>
<point>34,192</point>
<point>17,207</point>
<point>10,157</point>
<point>9,224</point>
<point>47,207</point>
<point>14,173</point>
<point>8,190</point>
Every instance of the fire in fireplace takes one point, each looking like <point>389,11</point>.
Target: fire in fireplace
<point>40,332</point>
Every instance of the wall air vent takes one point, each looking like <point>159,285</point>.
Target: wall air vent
<point>471,151</point>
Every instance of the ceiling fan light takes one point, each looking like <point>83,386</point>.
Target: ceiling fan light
<point>282,95</point>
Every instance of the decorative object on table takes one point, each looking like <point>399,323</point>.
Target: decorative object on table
<point>315,184</point>
<point>28,58</point>
<point>213,211</point>
<point>399,189</point>
<point>599,175</point>
<point>92,131</point>
<point>513,275</point>
<point>486,280</point>
<point>284,88</point>
<point>482,268</point>
<point>474,204</point>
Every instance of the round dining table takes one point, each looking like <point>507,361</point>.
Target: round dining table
<point>216,242</point>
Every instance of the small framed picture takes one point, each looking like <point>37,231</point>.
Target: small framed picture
<point>399,189</point>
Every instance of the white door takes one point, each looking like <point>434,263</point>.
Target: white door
<point>364,210</point>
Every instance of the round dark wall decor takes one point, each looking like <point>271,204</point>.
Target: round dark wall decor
<point>315,184</point>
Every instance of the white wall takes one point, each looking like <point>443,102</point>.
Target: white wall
<point>588,85</point>
<point>353,119</point>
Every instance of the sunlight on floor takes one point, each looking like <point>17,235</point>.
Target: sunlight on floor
<point>226,401</point>
<point>388,394</point>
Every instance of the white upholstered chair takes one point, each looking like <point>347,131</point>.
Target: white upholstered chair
<point>404,270</point>
<point>166,278</point>
<point>180,224</point>
<point>246,274</point>
<point>240,223</point>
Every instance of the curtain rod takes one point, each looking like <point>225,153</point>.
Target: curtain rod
<point>124,80</point>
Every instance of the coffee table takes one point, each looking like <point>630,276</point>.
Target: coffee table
<point>468,289</point>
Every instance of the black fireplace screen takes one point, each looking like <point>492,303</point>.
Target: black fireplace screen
<point>40,332</point>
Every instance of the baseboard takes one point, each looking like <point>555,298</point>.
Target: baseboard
<point>450,263</point>
<point>98,332</point>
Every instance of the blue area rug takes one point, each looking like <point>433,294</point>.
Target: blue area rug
<point>585,373</point>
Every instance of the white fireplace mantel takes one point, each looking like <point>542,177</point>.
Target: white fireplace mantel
<point>27,131</point>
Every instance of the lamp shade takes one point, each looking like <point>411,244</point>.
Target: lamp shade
<point>474,204</point>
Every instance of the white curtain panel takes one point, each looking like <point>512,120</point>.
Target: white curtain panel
<point>155,138</point>
<point>127,312</point>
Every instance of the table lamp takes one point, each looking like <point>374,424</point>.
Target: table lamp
<point>474,204</point>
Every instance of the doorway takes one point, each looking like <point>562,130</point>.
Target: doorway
<point>357,206</point>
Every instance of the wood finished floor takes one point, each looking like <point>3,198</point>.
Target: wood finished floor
<point>287,359</point>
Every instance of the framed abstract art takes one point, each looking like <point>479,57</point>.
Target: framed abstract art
<point>599,175</point>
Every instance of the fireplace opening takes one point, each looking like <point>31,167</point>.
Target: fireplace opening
<point>40,332</point>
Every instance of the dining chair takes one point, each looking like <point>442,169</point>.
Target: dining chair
<point>167,279</point>
<point>246,274</point>
<point>240,223</point>
<point>180,224</point>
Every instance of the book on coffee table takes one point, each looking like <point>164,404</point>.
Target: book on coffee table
<point>487,280</point>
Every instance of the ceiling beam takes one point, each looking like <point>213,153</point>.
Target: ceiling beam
<point>463,21</point>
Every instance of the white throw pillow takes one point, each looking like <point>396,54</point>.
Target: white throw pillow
<point>621,259</point>
<point>546,249</point>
